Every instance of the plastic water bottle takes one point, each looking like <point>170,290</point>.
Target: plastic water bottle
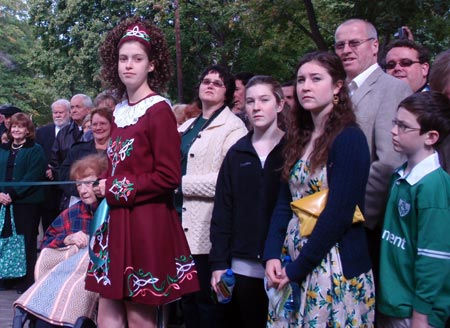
<point>225,287</point>
<point>292,303</point>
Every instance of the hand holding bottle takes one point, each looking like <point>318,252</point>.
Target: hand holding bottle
<point>225,287</point>
<point>215,278</point>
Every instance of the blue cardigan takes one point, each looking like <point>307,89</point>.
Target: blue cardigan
<point>347,172</point>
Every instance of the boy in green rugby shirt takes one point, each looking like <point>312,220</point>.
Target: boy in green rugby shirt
<point>414,286</point>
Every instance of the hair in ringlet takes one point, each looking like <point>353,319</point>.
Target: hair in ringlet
<point>300,125</point>
<point>94,164</point>
<point>432,111</point>
<point>24,120</point>
<point>158,54</point>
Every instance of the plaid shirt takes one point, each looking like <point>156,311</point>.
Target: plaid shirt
<point>73,219</point>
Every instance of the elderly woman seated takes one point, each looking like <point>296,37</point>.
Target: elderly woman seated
<point>58,298</point>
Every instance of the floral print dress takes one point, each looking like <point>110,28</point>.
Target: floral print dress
<point>327,298</point>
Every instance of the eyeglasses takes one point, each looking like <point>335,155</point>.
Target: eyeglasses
<point>352,43</point>
<point>402,127</point>
<point>405,62</point>
<point>215,83</point>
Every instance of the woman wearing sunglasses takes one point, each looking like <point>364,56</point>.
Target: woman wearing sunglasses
<point>204,144</point>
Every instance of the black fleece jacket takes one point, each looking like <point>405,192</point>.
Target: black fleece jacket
<point>246,194</point>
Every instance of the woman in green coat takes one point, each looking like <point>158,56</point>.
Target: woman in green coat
<point>21,159</point>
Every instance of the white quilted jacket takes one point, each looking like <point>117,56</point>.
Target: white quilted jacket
<point>199,184</point>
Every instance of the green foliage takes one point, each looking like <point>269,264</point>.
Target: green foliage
<point>48,48</point>
<point>20,84</point>
<point>428,20</point>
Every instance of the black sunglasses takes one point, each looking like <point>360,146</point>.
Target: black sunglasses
<point>402,62</point>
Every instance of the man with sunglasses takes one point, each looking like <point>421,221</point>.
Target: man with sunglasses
<point>409,62</point>
<point>375,96</point>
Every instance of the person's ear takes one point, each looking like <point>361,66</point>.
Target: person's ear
<point>375,45</point>
<point>338,87</point>
<point>280,106</point>
<point>151,67</point>
<point>425,69</point>
<point>432,137</point>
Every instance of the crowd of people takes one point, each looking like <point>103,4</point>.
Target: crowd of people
<point>164,201</point>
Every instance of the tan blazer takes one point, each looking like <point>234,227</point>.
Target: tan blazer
<point>199,183</point>
<point>376,103</point>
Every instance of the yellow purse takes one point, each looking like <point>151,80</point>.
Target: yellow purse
<point>309,208</point>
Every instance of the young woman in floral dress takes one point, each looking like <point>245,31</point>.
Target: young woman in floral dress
<point>325,149</point>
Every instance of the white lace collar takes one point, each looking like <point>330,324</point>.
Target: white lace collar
<point>125,114</point>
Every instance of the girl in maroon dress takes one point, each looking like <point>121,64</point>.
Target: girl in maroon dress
<point>143,259</point>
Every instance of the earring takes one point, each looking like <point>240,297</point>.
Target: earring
<point>335,100</point>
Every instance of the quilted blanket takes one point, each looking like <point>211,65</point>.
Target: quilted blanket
<point>58,295</point>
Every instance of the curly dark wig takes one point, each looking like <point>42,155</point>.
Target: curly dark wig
<point>158,54</point>
<point>300,123</point>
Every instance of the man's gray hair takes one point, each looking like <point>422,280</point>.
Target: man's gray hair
<point>87,101</point>
<point>61,102</point>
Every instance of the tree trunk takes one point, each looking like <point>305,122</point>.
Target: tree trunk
<point>316,35</point>
<point>178,53</point>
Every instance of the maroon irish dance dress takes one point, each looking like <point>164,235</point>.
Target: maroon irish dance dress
<point>146,258</point>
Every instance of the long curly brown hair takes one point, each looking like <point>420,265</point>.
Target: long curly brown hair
<point>300,124</point>
<point>158,54</point>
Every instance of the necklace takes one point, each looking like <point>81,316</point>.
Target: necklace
<point>15,147</point>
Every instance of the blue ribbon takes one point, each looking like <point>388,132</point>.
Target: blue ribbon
<point>39,183</point>
<point>100,216</point>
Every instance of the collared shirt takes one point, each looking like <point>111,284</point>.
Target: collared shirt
<point>421,169</point>
<point>75,218</point>
<point>362,77</point>
<point>424,88</point>
<point>58,128</point>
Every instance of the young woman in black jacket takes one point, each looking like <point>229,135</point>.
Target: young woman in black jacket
<point>246,193</point>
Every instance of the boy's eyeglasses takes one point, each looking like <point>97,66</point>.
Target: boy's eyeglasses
<point>217,84</point>
<point>402,62</point>
<point>352,43</point>
<point>402,127</point>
